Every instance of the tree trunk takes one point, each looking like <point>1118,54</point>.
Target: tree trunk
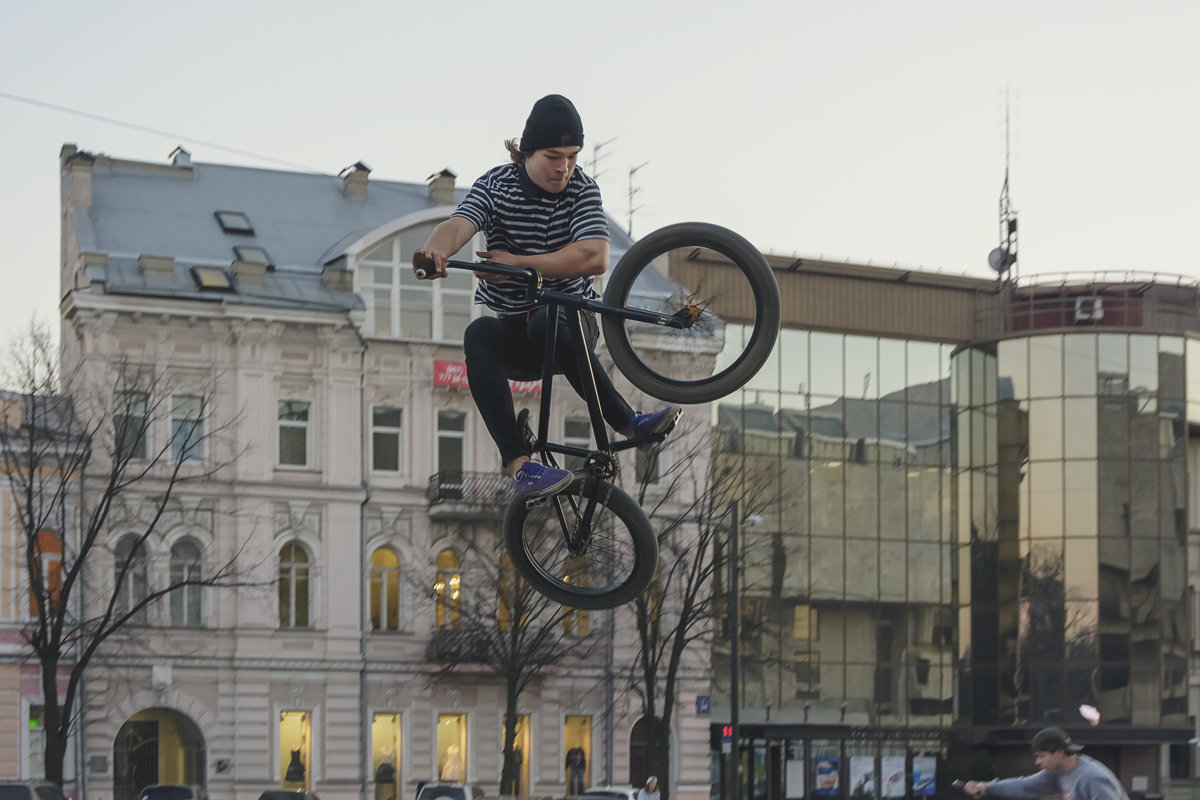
<point>52,716</point>
<point>510,771</point>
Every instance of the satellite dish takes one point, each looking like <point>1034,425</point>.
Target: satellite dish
<point>1000,259</point>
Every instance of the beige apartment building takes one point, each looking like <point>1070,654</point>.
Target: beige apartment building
<point>354,475</point>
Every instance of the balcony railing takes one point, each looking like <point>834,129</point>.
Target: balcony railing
<point>478,489</point>
<point>463,646</point>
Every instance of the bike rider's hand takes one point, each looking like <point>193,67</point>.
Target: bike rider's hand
<point>976,788</point>
<point>496,257</point>
<point>432,261</point>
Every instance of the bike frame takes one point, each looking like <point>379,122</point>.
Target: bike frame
<point>598,462</point>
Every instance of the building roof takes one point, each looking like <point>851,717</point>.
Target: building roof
<point>304,222</point>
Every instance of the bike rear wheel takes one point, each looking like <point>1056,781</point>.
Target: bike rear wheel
<point>611,566</point>
<point>735,308</point>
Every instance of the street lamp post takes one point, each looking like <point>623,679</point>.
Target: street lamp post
<point>735,655</point>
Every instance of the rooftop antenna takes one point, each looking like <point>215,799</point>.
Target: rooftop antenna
<point>595,171</point>
<point>632,192</point>
<point>1002,258</point>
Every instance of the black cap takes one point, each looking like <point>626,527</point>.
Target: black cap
<point>553,122</point>
<point>1051,740</point>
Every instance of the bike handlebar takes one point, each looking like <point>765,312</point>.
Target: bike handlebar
<point>423,267</point>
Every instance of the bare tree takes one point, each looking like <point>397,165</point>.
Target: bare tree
<point>688,505</point>
<point>71,461</point>
<point>514,632</point>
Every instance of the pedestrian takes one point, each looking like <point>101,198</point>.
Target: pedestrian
<point>538,211</point>
<point>650,790</point>
<point>1063,772</point>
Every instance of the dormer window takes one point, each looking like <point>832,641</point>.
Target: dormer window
<point>234,222</point>
<point>254,253</point>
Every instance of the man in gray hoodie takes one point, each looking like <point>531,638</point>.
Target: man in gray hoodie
<point>1064,772</point>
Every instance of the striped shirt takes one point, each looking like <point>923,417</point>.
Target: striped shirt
<point>519,217</point>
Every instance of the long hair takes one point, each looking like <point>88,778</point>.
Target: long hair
<point>515,152</point>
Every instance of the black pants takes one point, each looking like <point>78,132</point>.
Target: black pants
<point>491,344</point>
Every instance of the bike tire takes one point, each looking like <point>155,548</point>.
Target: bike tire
<point>635,347</point>
<point>617,566</point>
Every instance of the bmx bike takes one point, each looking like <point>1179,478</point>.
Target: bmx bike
<point>591,546</point>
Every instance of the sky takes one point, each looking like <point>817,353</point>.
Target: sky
<point>866,131</point>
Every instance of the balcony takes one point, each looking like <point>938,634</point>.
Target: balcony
<point>468,495</point>
<point>464,646</point>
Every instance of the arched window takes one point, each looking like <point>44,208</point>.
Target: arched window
<point>399,305</point>
<point>446,590</point>
<point>293,586</point>
<point>186,568</point>
<point>47,568</point>
<point>129,558</point>
<point>385,590</point>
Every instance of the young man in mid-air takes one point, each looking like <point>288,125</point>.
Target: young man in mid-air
<point>538,211</point>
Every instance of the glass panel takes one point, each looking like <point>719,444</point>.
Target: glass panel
<point>295,754</point>
<point>1081,434</point>
<point>793,375</point>
<point>826,364</point>
<point>382,275</point>
<point>1045,499</point>
<point>455,319</point>
<point>416,313</point>
<point>381,312</point>
<point>412,238</point>
<point>1079,364</point>
<point>1081,572</point>
<point>862,367</point>
<point>1113,363</point>
<point>1171,384</point>
<point>891,368</point>
<point>1045,366</point>
<point>385,449</point>
<point>1193,380</point>
<point>1143,364</point>
<point>1080,498</point>
<point>1045,429</point>
<point>924,367</point>
<point>382,252</point>
<point>577,740</point>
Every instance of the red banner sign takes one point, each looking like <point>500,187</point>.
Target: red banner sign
<point>453,374</point>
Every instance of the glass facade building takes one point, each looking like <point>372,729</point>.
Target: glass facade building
<point>951,544</point>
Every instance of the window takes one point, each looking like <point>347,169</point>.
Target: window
<point>130,576</point>
<point>186,568</point>
<point>385,754</point>
<point>451,443</point>
<point>293,586</point>
<point>253,253</point>
<point>577,432</point>
<point>47,578</point>
<point>131,425</point>
<point>234,222</point>
<point>295,749</point>
<point>187,427</point>
<point>387,442</point>
<point>804,622</point>
<point>452,747</point>
<point>446,589</point>
<point>385,590</point>
<point>37,741</point>
<point>398,304</point>
<point>293,433</point>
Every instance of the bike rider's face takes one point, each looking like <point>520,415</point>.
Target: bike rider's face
<point>552,167</point>
<point>1050,761</point>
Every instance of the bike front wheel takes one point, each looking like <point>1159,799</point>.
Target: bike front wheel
<point>731,304</point>
<point>600,564</point>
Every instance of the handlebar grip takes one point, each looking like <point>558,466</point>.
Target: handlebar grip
<point>959,784</point>
<point>420,273</point>
<point>422,265</point>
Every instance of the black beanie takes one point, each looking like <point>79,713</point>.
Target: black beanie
<point>554,122</point>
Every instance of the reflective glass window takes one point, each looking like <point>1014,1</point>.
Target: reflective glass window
<point>825,372</point>
<point>1045,498</point>
<point>1045,366</point>
<point>1080,572</point>
<point>793,366</point>
<point>862,367</point>
<point>1045,429</point>
<point>1143,364</point>
<point>1080,498</point>
<point>1112,363</point>
<point>1079,365</point>
<point>1080,432</point>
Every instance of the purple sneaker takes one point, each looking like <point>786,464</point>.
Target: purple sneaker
<point>656,422</point>
<point>538,480</point>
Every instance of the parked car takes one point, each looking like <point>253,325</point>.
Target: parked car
<point>435,790</point>
<point>287,794</point>
<point>173,791</point>
<point>29,790</point>
<point>609,793</point>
